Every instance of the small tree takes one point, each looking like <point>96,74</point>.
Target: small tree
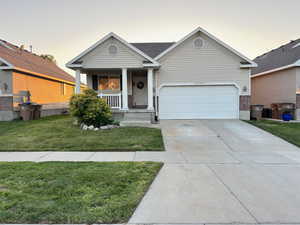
<point>48,57</point>
<point>89,109</point>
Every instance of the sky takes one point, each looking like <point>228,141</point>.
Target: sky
<point>65,28</point>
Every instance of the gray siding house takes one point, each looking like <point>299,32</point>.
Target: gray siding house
<point>198,77</point>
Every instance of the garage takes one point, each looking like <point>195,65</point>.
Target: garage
<point>199,102</point>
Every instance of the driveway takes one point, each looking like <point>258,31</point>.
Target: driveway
<point>223,171</point>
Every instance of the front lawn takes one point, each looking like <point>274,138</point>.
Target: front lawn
<point>61,192</point>
<point>57,133</point>
<point>287,131</point>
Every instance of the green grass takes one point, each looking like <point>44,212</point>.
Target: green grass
<point>61,192</point>
<point>57,133</point>
<point>287,131</point>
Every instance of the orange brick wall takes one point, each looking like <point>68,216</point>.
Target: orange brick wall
<point>42,91</point>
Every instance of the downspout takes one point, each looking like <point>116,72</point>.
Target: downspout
<point>156,95</point>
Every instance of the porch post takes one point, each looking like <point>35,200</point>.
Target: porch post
<point>77,82</point>
<point>124,89</point>
<point>150,89</point>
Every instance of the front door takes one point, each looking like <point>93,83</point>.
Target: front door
<point>139,91</point>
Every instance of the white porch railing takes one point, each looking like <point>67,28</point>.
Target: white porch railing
<point>113,100</point>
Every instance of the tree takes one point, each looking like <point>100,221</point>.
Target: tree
<point>48,57</point>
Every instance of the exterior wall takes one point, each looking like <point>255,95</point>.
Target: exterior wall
<point>212,63</point>
<point>6,108</point>
<point>297,80</point>
<point>245,101</point>
<point>101,58</point>
<point>5,81</point>
<point>298,107</point>
<point>42,91</point>
<point>278,87</point>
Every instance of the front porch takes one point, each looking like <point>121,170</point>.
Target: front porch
<point>129,92</point>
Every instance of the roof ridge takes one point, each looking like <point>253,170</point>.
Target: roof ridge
<point>284,45</point>
<point>154,42</point>
<point>27,60</point>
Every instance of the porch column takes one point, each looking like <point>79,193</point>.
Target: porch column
<point>77,82</point>
<point>150,89</point>
<point>124,89</point>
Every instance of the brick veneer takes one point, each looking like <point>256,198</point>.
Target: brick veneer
<point>245,102</point>
<point>297,101</point>
<point>6,103</point>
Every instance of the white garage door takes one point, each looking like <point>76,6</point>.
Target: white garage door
<point>198,102</point>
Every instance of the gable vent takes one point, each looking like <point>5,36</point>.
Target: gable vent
<point>112,49</point>
<point>198,43</point>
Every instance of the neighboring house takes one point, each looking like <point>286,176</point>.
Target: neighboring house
<point>21,70</point>
<point>198,77</point>
<point>277,77</point>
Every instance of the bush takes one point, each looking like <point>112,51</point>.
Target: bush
<point>89,109</point>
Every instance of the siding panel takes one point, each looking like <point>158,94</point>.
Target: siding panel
<point>42,91</point>
<point>5,80</point>
<point>101,58</point>
<point>276,87</point>
<point>210,63</point>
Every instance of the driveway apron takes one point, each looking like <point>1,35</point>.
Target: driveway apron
<point>230,172</point>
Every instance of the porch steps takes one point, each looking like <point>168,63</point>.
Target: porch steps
<point>134,123</point>
<point>138,116</point>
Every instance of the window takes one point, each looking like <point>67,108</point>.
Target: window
<point>109,83</point>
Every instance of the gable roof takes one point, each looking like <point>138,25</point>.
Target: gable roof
<point>284,57</point>
<point>72,64</point>
<point>153,49</point>
<point>23,60</point>
<point>249,62</point>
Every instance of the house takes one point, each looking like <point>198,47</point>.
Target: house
<point>21,70</point>
<point>198,77</point>
<point>277,77</point>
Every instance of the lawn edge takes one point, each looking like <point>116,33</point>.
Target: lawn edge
<point>147,190</point>
<point>277,135</point>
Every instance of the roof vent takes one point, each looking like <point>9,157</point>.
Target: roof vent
<point>198,42</point>
<point>112,49</point>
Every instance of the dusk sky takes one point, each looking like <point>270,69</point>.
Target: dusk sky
<point>64,28</point>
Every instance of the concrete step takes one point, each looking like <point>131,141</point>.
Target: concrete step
<point>137,116</point>
<point>138,124</point>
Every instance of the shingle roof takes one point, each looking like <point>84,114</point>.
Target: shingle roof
<point>280,57</point>
<point>28,61</point>
<point>153,49</point>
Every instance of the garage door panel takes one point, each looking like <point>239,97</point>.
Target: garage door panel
<point>198,102</point>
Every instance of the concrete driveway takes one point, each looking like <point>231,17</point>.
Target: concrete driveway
<point>223,171</point>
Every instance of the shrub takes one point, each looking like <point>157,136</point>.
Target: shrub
<point>89,109</point>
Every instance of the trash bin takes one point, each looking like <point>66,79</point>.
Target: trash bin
<point>26,111</point>
<point>267,113</point>
<point>256,111</point>
<point>37,111</point>
<point>278,109</point>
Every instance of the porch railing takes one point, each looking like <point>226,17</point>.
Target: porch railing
<point>113,100</point>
